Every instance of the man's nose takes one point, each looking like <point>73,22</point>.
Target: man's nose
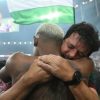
<point>73,53</point>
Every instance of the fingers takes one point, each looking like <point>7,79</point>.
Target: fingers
<point>44,59</point>
<point>50,59</point>
<point>45,66</point>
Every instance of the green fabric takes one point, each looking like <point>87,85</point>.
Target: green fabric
<point>51,14</point>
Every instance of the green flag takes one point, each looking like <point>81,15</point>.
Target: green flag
<point>36,11</point>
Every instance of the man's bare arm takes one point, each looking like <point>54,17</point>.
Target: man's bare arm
<point>20,89</point>
<point>62,69</point>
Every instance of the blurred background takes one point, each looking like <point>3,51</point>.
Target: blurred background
<point>20,37</point>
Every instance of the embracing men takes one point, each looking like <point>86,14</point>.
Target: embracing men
<point>53,76</point>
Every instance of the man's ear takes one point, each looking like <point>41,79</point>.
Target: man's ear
<point>35,41</point>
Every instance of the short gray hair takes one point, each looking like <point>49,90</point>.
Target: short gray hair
<point>50,31</point>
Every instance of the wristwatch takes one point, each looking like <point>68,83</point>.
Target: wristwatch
<point>76,78</point>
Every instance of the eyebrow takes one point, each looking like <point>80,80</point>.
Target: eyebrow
<point>71,45</point>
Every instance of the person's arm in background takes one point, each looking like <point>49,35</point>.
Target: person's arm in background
<point>62,69</point>
<point>20,89</point>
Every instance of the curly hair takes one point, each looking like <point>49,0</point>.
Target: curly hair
<point>87,33</point>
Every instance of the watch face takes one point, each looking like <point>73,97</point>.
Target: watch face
<point>77,77</point>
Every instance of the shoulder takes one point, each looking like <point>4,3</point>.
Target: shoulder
<point>85,65</point>
<point>13,61</point>
<point>15,56</point>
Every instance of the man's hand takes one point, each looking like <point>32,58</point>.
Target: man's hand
<point>57,66</point>
<point>36,74</point>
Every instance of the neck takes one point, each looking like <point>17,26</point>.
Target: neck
<point>45,51</point>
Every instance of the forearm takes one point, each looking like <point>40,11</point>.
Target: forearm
<point>83,92</point>
<point>64,70</point>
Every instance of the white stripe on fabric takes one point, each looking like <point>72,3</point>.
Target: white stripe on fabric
<point>16,5</point>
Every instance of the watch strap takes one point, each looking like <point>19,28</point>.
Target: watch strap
<point>76,78</point>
